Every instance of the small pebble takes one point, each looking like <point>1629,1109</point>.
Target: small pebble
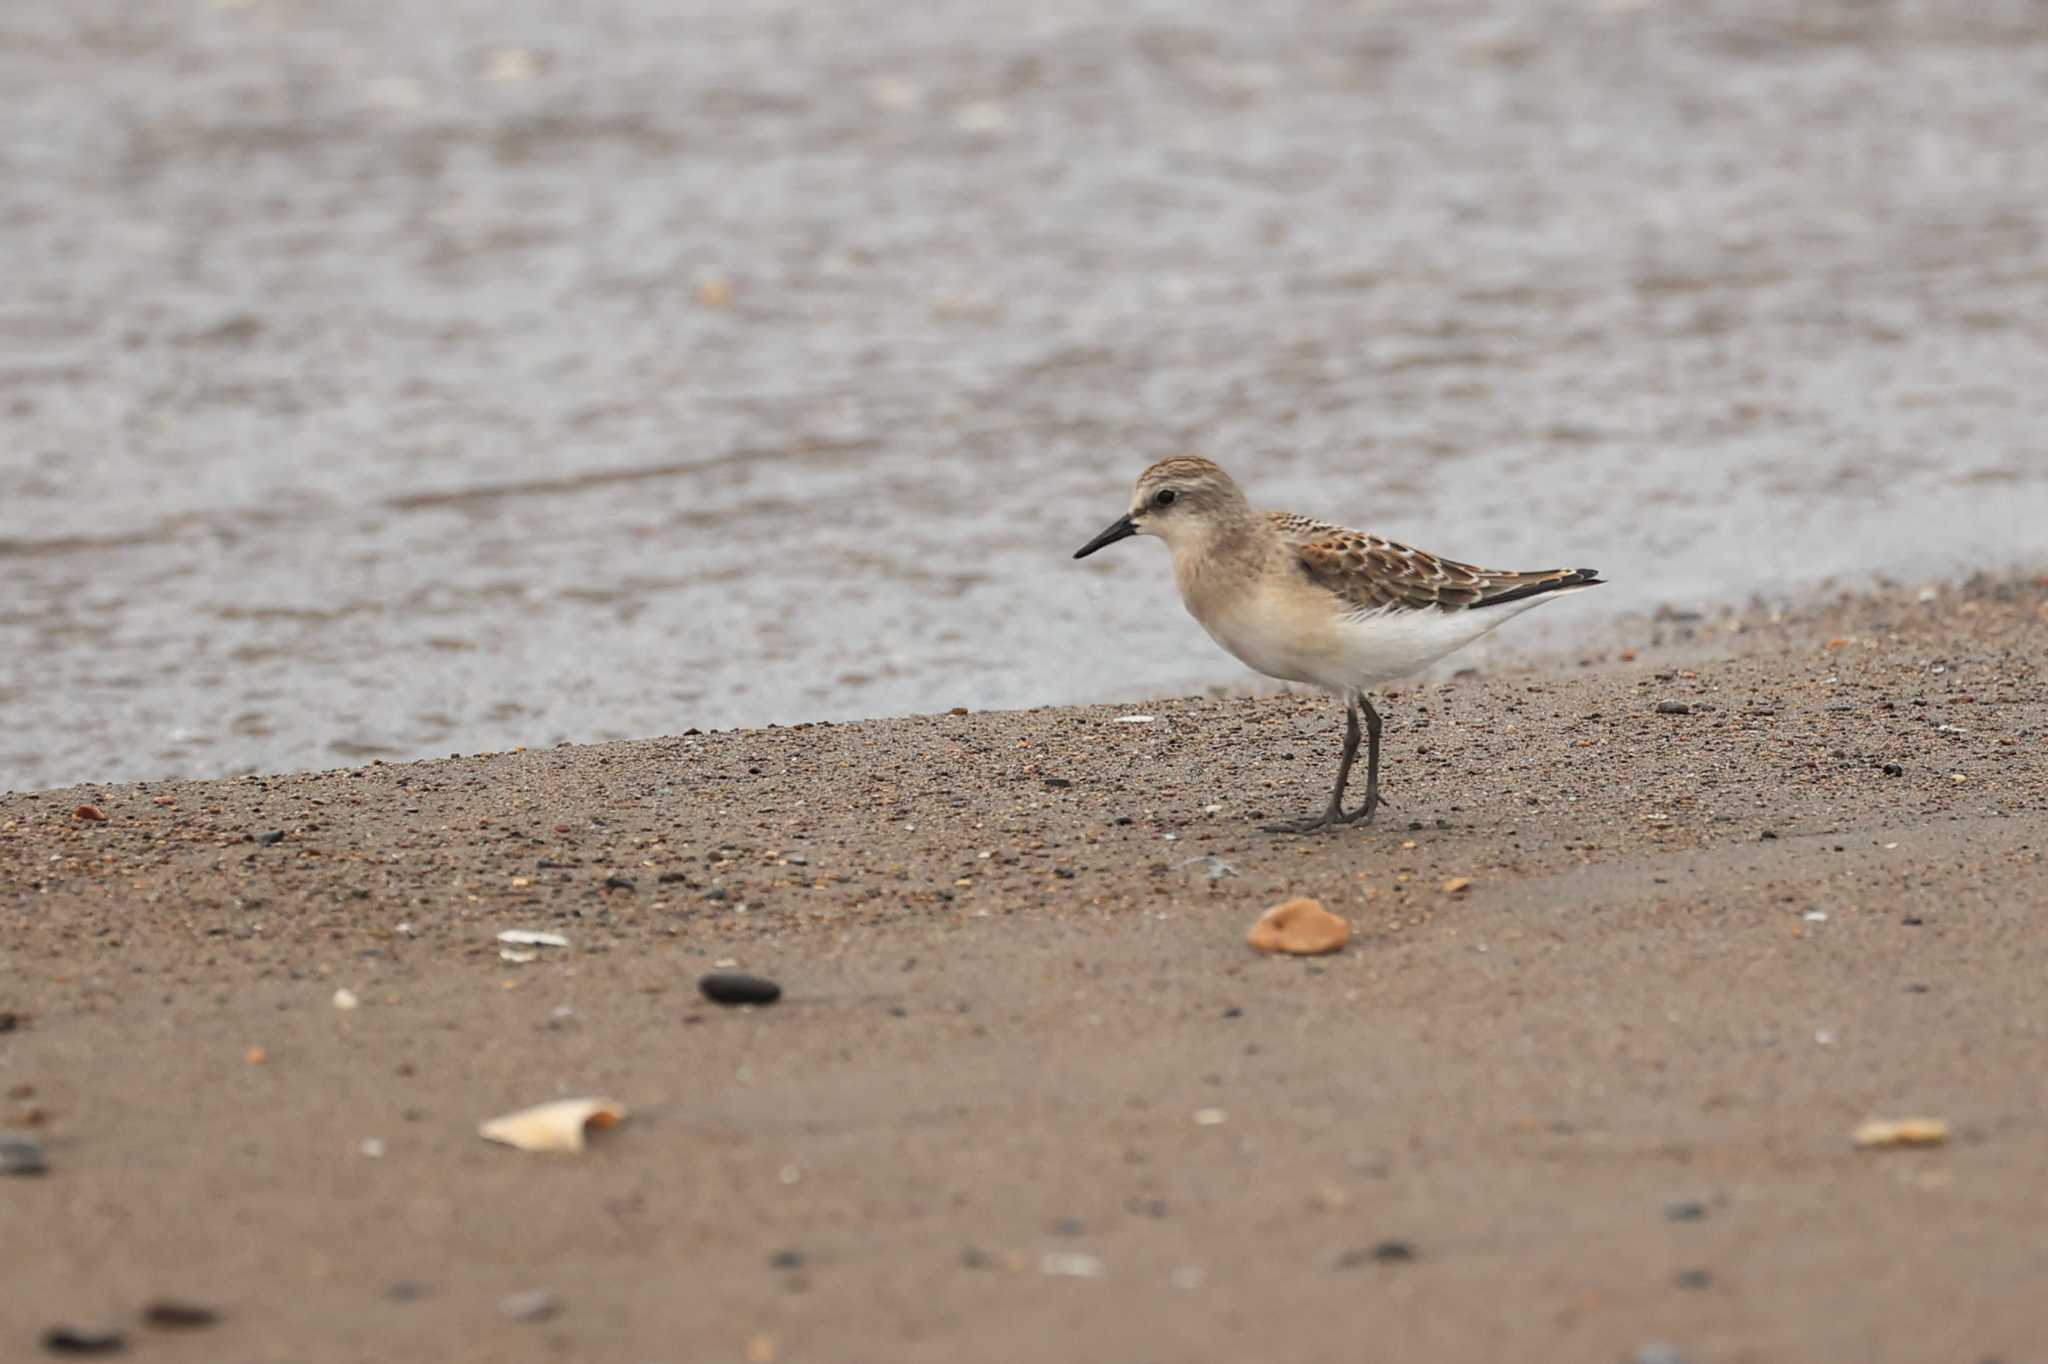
<point>83,1340</point>
<point>1673,708</point>
<point>973,1258</point>
<point>20,1156</point>
<point>275,836</point>
<point>786,1259</point>
<point>89,812</point>
<point>534,1305</point>
<point>618,883</point>
<point>733,987</point>
<point>1685,1212</point>
<point>1695,1278</point>
<point>1070,1226</point>
<point>406,1290</point>
<point>1912,921</point>
<point>1894,770</point>
<point>171,1315</point>
<point>1385,1253</point>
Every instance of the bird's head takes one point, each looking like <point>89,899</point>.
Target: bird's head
<point>1182,501</point>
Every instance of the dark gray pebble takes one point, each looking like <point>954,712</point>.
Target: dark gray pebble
<point>670,878</point>
<point>1695,1278</point>
<point>618,883</point>
<point>406,1290</point>
<point>1233,1012</point>
<point>1070,1226</point>
<point>1058,783</point>
<point>971,1258</point>
<point>1894,770</point>
<point>1673,708</point>
<point>733,987</point>
<point>274,836</point>
<point>715,893</point>
<point>171,1315</point>
<point>1685,1212</point>
<point>1912,921</point>
<point>786,1259</point>
<point>1385,1253</point>
<point>9,1021</point>
<point>83,1340</point>
<point>20,1156</point>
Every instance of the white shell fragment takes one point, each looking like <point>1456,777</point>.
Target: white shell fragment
<point>1070,1265</point>
<point>345,998</point>
<point>528,937</point>
<point>1882,1132</point>
<point>516,957</point>
<point>1134,719</point>
<point>557,1126</point>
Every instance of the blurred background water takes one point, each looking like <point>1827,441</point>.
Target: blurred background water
<point>383,379</point>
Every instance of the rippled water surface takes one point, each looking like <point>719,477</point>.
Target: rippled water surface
<point>388,379</point>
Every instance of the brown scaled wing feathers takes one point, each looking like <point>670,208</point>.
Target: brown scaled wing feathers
<point>1371,574</point>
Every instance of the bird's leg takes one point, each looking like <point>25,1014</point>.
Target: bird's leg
<point>1335,814</point>
<point>1363,814</point>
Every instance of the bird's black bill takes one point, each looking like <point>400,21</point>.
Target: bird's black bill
<point>1123,528</point>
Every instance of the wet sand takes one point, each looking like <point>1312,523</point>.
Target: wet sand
<point>385,379</point>
<point>1028,1094</point>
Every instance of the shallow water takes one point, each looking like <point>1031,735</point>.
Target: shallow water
<point>385,379</point>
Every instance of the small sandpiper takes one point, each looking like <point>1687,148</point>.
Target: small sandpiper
<point>1306,601</point>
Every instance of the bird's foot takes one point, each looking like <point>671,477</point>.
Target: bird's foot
<point>1364,813</point>
<point>1327,819</point>
<point>1331,818</point>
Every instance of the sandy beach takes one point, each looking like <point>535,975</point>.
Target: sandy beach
<point>387,379</point>
<point>1028,1095</point>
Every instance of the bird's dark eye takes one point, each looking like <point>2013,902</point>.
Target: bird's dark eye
<point>1165,497</point>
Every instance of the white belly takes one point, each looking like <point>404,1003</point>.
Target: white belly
<point>1349,652</point>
